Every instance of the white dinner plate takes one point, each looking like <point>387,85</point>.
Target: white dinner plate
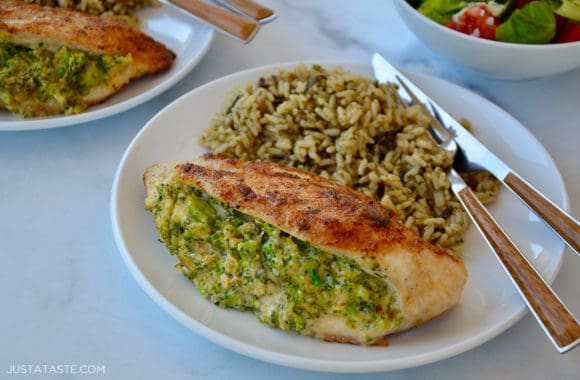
<point>188,38</point>
<point>490,304</point>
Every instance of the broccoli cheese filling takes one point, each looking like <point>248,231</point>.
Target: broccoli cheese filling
<point>40,81</point>
<point>240,262</point>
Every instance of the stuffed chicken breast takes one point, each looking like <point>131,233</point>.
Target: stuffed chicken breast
<point>300,252</point>
<point>55,60</point>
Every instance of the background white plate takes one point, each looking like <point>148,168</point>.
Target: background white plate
<point>490,303</point>
<point>185,36</point>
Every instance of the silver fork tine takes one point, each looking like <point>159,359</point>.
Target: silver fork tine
<point>460,162</point>
<point>441,134</point>
<point>438,121</point>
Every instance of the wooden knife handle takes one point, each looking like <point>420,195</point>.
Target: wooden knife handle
<point>557,321</point>
<point>223,19</point>
<point>562,223</point>
<point>250,8</point>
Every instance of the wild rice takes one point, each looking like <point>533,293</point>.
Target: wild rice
<point>353,130</point>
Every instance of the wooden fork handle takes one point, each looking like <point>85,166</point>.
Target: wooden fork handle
<point>562,223</point>
<point>556,320</point>
<point>227,21</point>
<point>249,8</point>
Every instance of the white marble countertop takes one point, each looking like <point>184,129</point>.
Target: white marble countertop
<point>68,297</point>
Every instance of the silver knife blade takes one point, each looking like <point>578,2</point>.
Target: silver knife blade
<point>474,150</point>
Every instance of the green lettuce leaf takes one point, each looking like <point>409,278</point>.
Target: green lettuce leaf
<point>567,8</point>
<point>441,10</point>
<point>534,23</point>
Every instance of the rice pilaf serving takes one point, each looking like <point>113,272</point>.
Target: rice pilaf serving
<point>355,131</point>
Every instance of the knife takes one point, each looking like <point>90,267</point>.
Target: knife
<point>230,23</point>
<point>478,155</point>
<point>249,8</point>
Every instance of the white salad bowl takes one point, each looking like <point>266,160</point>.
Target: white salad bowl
<point>494,59</point>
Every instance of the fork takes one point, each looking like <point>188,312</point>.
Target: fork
<point>240,20</point>
<point>556,320</point>
<point>249,8</point>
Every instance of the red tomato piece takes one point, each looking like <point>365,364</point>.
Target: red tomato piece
<point>475,20</point>
<point>567,32</point>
